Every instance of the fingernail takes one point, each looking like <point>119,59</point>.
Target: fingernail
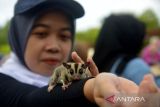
<point>88,63</point>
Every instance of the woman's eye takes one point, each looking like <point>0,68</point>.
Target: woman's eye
<point>41,34</point>
<point>65,37</point>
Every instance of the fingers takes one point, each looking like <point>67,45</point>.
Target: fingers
<point>148,85</point>
<point>149,90</point>
<point>92,66</point>
<point>76,57</point>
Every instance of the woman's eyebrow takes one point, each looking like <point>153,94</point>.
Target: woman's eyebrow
<point>66,29</point>
<point>46,26</point>
<point>40,25</point>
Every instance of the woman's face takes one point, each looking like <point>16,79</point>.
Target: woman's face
<point>49,43</point>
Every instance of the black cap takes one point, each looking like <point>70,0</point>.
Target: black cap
<point>71,6</point>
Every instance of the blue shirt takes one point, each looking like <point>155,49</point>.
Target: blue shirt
<point>135,70</point>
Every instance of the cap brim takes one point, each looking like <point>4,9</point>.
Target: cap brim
<point>71,6</point>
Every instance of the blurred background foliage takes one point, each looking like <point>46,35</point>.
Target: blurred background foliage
<point>150,19</point>
<point>4,47</point>
<point>89,36</point>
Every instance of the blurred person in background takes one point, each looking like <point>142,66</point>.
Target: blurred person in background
<point>151,52</point>
<point>151,55</point>
<point>118,45</point>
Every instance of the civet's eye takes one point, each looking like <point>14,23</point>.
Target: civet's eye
<point>81,71</point>
<point>71,71</point>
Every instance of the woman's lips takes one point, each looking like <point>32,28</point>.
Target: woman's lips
<point>51,62</point>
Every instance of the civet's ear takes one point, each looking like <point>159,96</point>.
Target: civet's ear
<point>85,65</point>
<point>68,66</point>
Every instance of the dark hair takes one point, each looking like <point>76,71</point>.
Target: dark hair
<point>120,35</point>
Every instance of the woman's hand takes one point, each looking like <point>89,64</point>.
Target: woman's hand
<point>104,85</point>
<point>108,84</point>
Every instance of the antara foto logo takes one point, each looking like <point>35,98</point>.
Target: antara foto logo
<point>125,99</point>
<point>110,99</point>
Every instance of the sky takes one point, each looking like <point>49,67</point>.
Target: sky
<point>95,10</point>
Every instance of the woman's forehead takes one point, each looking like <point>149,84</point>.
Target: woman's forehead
<point>52,19</point>
<point>53,15</point>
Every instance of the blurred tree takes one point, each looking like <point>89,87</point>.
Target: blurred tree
<point>88,36</point>
<point>4,47</point>
<point>152,24</point>
<point>150,18</point>
<point>3,34</point>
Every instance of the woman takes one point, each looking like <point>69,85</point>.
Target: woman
<point>41,37</point>
<point>121,38</point>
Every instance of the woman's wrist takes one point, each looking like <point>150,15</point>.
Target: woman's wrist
<point>100,86</point>
<point>89,89</point>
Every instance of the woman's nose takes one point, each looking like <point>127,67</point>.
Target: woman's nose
<point>52,45</point>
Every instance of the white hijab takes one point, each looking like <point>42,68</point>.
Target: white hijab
<point>13,68</point>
